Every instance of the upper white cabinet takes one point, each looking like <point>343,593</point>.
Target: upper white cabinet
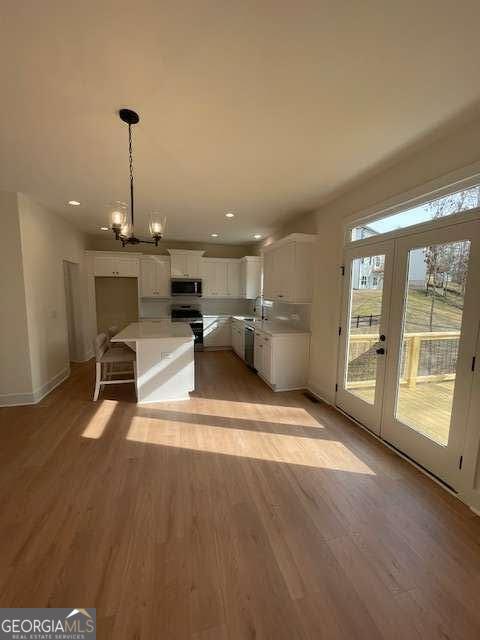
<point>220,278</point>
<point>233,278</point>
<point>186,264</point>
<point>155,277</point>
<point>288,269</point>
<point>115,265</point>
<point>250,277</point>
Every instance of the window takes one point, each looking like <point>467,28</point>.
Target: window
<point>374,281</point>
<point>448,205</point>
<point>363,281</point>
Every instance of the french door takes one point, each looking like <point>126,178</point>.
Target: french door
<point>364,331</point>
<point>409,331</point>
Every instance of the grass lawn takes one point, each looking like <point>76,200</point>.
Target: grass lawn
<point>446,317</point>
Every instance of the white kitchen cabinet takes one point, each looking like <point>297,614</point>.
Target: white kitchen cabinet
<point>233,279</point>
<point>288,269</point>
<point>258,353</point>
<point>104,266</point>
<point>115,265</point>
<point>214,278</point>
<point>282,360</point>
<point>220,278</point>
<point>155,277</point>
<point>250,277</point>
<point>238,338</point>
<point>217,332</point>
<point>185,264</point>
<point>263,356</point>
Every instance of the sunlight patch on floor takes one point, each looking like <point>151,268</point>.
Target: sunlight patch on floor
<point>243,410</point>
<point>325,454</point>
<point>97,423</point>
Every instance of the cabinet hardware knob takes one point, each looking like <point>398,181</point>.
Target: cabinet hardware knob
<point>381,351</point>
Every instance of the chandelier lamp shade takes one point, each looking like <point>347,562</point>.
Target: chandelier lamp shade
<point>122,219</point>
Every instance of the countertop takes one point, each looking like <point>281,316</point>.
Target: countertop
<point>274,328</point>
<point>154,331</point>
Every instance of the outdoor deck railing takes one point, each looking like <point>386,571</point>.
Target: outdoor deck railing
<point>362,358</point>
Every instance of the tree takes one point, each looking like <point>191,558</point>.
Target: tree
<point>448,262</point>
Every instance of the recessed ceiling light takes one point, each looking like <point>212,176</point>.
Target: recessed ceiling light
<point>257,236</point>
<point>229,215</point>
<point>104,228</point>
<point>214,235</point>
<point>74,203</point>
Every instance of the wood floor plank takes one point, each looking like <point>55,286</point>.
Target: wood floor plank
<point>238,514</point>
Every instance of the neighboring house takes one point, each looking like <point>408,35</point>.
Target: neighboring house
<point>367,273</point>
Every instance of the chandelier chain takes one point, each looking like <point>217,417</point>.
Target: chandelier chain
<point>130,161</point>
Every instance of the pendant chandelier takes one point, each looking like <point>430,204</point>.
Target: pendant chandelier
<point>121,223</point>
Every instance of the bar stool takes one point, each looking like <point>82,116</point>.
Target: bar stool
<point>112,331</point>
<point>106,358</point>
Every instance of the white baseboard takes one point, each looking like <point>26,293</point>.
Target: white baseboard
<point>87,356</point>
<point>16,399</point>
<point>319,396</point>
<point>20,399</point>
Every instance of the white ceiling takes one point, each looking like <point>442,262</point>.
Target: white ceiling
<point>260,107</point>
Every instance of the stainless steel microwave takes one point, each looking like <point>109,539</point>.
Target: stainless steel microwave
<point>183,287</point>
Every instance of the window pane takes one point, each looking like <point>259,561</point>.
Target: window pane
<point>366,296</point>
<point>439,208</point>
<point>431,334</point>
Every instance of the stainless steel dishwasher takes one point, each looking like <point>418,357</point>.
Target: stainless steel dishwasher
<point>249,346</point>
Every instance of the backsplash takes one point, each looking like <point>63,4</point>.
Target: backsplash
<point>158,308</point>
<point>297,314</point>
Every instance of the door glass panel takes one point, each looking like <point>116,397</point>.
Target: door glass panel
<point>430,337</point>
<point>366,295</point>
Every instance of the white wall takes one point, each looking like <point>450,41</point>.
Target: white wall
<point>15,373</point>
<point>47,240</point>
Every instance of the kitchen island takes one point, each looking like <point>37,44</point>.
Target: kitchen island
<point>165,362</point>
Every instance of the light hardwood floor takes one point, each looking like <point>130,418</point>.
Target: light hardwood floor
<point>239,514</point>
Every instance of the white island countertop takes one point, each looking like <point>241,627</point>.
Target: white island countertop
<point>137,331</point>
<point>164,364</point>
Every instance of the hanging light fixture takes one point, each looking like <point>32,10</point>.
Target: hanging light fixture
<point>121,223</point>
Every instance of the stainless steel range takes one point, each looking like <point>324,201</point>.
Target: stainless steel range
<point>192,315</point>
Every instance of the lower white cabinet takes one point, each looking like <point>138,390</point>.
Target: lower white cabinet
<point>238,338</point>
<point>217,332</point>
<point>282,361</point>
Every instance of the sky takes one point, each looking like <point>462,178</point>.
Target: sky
<point>422,213</point>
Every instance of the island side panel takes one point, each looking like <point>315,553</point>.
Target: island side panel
<point>165,369</point>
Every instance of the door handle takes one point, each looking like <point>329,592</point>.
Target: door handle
<point>381,351</point>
